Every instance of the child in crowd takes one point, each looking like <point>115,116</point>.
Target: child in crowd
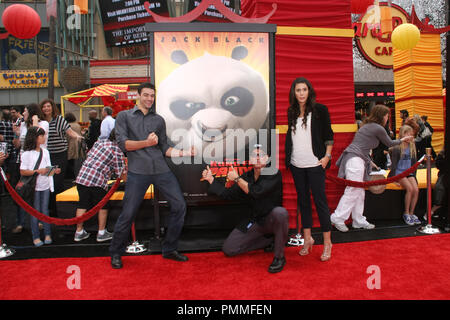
<point>403,157</point>
<point>104,160</point>
<point>34,139</point>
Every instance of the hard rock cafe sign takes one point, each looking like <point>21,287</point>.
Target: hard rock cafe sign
<point>373,45</point>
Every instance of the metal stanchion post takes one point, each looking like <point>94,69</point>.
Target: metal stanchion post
<point>428,229</point>
<point>135,247</point>
<point>297,239</point>
<point>4,250</point>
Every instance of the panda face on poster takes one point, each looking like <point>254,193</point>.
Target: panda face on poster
<point>205,100</point>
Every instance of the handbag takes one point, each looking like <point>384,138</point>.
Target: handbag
<point>82,150</point>
<point>426,132</point>
<point>25,188</point>
<point>377,189</point>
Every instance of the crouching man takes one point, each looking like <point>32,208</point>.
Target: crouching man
<point>267,225</point>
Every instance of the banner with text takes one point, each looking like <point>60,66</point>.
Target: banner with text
<point>18,79</point>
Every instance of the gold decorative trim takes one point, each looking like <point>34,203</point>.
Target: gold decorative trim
<point>337,128</point>
<point>319,32</point>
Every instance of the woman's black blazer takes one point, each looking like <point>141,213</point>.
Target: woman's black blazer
<point>321,134</point>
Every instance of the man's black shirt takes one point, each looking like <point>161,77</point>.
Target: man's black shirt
<point>264,194</point>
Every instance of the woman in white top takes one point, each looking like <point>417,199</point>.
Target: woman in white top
<point>33,146</point>
<point>309,142</point>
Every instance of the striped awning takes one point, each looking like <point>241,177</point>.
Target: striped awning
<point>109,89</point>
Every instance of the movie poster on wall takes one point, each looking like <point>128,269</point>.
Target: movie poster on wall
<point>213,90</point>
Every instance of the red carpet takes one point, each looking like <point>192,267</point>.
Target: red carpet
<point>410,268</point>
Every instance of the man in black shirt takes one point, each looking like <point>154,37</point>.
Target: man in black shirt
<point>263,190</point>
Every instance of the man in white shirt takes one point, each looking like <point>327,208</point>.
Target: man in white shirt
<point>108,123</point>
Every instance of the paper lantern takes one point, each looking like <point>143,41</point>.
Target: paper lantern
<point>21,21</point>
<point>360,6</point>
<point>83,5</point>
<point>405,36</point>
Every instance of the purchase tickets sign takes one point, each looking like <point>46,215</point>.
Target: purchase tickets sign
<point>373,45</point>
<point>17,79</point>
<point>123,21</point>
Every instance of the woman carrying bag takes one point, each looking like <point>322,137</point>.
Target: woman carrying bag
<point>36,163</point>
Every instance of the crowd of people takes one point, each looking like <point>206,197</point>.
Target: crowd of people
<point>40,127</point>
<point>401,157</point>
<point>42,144</point>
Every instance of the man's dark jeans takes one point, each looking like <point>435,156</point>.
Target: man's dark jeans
<point>135,189</point>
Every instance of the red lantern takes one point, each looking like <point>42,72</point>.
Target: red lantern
<point>21,21</point>
<point>83,5</point>
<point>360,6</point>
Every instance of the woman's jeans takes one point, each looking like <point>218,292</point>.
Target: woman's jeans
<point>20,217</point>
<point>41,199</point>
<point>307,181</point>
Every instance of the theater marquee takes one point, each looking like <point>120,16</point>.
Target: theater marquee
<point>374,46</point>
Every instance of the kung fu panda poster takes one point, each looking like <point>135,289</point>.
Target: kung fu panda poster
<point>213,90</point>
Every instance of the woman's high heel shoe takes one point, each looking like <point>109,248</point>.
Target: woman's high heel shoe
<point>307,247</point>
<point>326,255</point>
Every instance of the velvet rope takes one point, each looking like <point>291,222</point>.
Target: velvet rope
<point>359,184</point>
<point>56,221</point>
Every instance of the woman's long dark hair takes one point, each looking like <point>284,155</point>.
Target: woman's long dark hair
<point>31,137</point>
<point>294,107</point>
<point>33,109</point>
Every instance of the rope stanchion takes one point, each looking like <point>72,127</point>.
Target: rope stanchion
<point>297,239</point>
<point>359,184</point>
<point>56,221</point>
<point>428,229</point>
<point>135,247</point>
